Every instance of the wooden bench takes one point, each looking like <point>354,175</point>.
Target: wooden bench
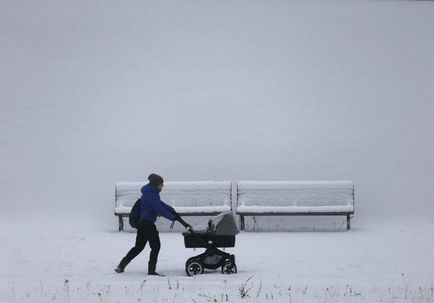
<point>297,198</point>
<point>196,198</point>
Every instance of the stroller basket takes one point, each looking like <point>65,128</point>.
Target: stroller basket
<point>198,240</point>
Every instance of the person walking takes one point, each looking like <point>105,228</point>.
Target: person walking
<point>151,206</point>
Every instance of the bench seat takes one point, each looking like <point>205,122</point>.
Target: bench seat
<point>199,210</point>
<point>288,210</point>
<point>123,210</point>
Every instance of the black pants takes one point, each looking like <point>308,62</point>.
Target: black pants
<point>146,231</point>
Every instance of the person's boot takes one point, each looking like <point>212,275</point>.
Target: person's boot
<point>151,269</point>
<point>121,267</point>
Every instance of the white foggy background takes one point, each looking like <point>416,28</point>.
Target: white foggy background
<point>92,94</point>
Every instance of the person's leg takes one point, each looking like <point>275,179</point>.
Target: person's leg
<point>154,243</point>
<point>141,239</point>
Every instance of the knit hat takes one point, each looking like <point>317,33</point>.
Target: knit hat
<point>155,180</point>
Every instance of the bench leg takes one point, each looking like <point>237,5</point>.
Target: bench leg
<point>348,222</point>
<point>242,223</point>
<point>121,223</point>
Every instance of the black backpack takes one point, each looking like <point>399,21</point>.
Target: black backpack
<point>135,214</point>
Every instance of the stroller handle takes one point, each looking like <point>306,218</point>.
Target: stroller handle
<point>185,224</point>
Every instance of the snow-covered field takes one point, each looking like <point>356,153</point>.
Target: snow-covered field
<point>60,259</point>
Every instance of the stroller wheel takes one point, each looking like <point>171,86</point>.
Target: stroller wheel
<point>193,268</point>
<point>229,268</point>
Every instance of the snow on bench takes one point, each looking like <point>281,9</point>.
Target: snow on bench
<point>274,198</point>
<point>195,198</point>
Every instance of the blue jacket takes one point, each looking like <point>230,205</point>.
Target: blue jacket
<point>151,205</point>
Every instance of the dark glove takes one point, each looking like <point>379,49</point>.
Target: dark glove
<point>177,216</point>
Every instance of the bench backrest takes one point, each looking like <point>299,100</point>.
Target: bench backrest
<point>179,193</point>
<point>295,193</point>
<point>127,193</point>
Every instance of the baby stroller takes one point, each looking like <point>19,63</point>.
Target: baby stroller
<point>219,232</point>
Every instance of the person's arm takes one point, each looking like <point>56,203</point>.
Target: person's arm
<point>162,208</point>
<point>171,209</point>
<point>168,207</point>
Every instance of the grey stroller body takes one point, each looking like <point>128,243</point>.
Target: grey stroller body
<point>219,232</point>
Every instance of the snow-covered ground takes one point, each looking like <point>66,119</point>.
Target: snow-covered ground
<point>59,259</point>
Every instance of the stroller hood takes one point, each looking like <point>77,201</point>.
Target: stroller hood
<point>221,225</point>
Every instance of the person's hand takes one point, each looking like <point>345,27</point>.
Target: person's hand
<point>176,215</point>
